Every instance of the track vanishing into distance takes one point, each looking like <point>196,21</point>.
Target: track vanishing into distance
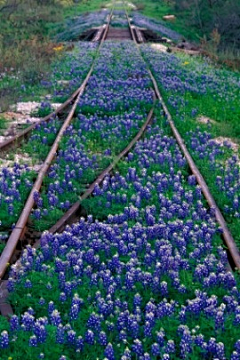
<point>20,231</point>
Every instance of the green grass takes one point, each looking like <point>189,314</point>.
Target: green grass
<point>3,124</point>
<point>222,108</point>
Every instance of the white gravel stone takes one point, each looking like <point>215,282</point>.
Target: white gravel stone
<point>160,47</point>
<point>223,140</point>
<point>205,120</point>
<point>29,107</point>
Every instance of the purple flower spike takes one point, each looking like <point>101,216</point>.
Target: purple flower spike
<point>109,352</point>
<point>4,340</point>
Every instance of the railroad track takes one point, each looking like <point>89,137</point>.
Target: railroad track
<point>72,212</point>
<point>233,252</point>
<point>228,239</point>
<point>16,140</point>
<point>20,230</point>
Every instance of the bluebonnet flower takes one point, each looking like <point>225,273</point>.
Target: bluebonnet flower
<point>71,337</point>
<point>109,352</point>
<point>51,307</point>
<point>220,351</point>
<point>60,334</point>
<point>186,343</point>
<point>94,322</point>
<point>165,357</point>
<point>102,338</point>
<point>170,347</point>
<point>137,347</point>
<point>74,312</point>
<point>14,323</point>
<point>126,354</point>
<point>55,318</point>
<point>89,337</point>
<point>10,284</point>
<point>62,297</point>
<point>160,337</point>
<point>155,349</point>
<point>27,321</point>
<point>79,343</point>
<point>235,355</point>
<point>40,331</point>
<point>42,301</point>
<point>133,329</point>
<point>164,288</point>
<point>4,339</point>
<point>33,341</point>
<point>237,345</point>
<point>212,346</point>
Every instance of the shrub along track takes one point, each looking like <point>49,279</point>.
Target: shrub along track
<point>71,213</point>
<point>16,140</point>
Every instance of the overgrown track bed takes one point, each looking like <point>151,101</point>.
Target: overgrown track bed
<point>233,252</point>
<point>137,99</point>
<point>229,241</point>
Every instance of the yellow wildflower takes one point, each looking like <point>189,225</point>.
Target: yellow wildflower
<point>186,63</point>
<point>58,48</point>
<point>10,358</point>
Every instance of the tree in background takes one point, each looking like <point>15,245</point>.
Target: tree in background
<point>211,15</point>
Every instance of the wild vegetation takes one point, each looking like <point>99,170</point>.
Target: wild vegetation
<point>27,40</point>
<point>213,23</point>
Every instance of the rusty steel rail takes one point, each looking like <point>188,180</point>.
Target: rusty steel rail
<point>5,308</point>
<point>23,134</point>
<point>139,35</point>
<point>75,207</point>
<point>231,245</point>
<point>99,34</point>
<point>22,221</point>
<point>227,236</point>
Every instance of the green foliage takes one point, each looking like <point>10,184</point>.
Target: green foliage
<point>3,124</point>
